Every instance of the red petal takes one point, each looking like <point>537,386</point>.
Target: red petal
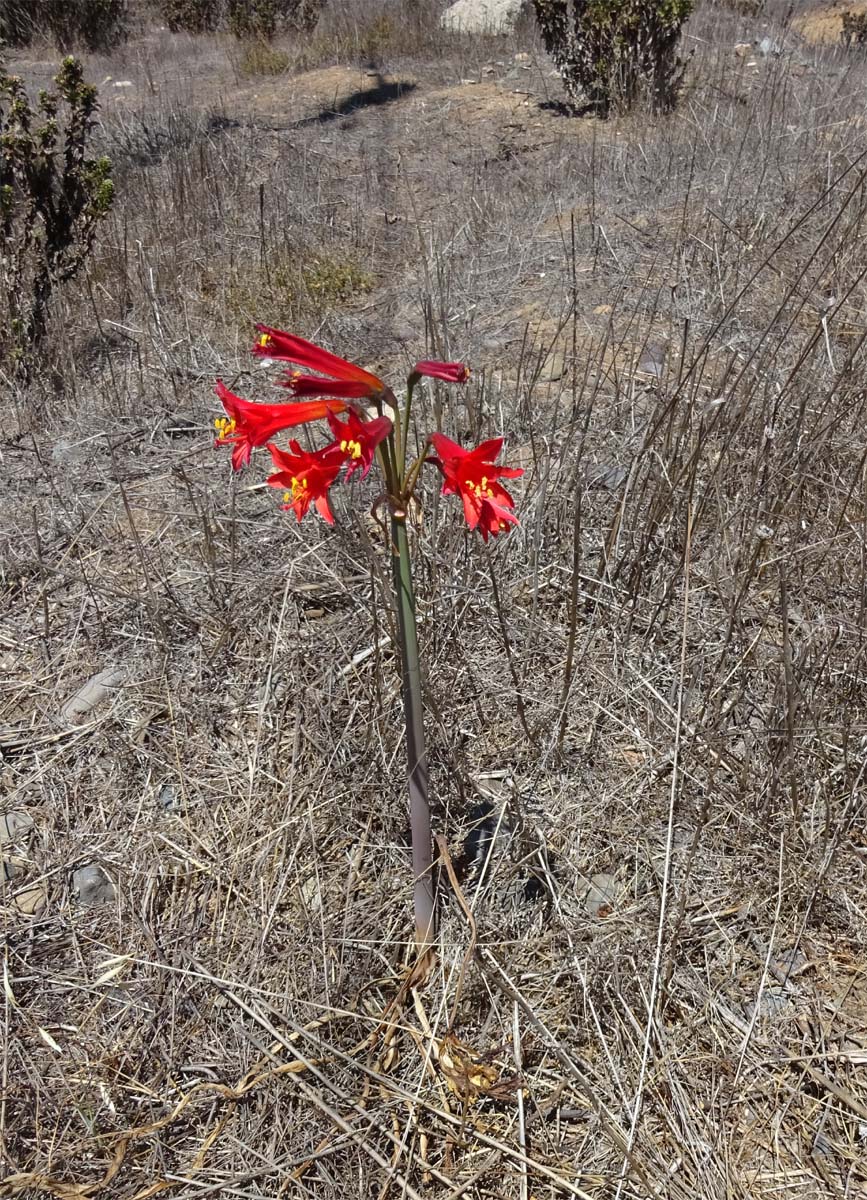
<point>315,385</point>
<point>298,350</point>
<point>451,372</point>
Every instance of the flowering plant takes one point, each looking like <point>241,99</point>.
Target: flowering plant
<point>330,388</point>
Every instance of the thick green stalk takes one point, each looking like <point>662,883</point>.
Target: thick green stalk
<point>419,806</point>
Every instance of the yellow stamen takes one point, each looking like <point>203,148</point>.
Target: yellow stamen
<point>224,426</point>
<point>264,341</point>
<point>480,490</point>
<point>352,448</point>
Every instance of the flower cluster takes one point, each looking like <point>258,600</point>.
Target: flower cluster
<point>340,387</point>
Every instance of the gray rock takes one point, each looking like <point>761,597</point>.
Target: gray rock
<point>553,368</point>
<point>169,800</point>
<point>98,688</point>
<point>31,900</point>
<point>600,894</point>
<point>482,16</point>
<point>15,826</point>
<point>11,868</point>
<point>652,361</point>
<point>91,885</point>
<point>610,477</point>
<point>774,1002</point>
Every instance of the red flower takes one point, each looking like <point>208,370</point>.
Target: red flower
<point>314,385</point>
<point>306,477</point>
<point>287,347</point>
<point>472,475</point>
<point>357,440</point>
<point>248,424</point>
<point>451,372</point>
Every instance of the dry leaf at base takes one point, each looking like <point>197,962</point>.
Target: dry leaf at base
<point>469,1076</point>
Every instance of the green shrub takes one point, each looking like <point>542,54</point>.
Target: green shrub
<point>52,198</point>
<point>613,53</point>
<point>16,22</point>
<point>96,24</point>
<point>258,58</point>
<point>190,16</point>
<point>253,18</point>
<point>260,18</point>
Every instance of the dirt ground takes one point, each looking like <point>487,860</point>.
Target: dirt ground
<point>654,690</point>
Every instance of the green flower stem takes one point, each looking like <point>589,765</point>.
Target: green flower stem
<point>407,487</point>
<point>410,386</point>
<point>424,900</point>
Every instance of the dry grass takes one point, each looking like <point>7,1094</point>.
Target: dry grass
<point>667,321</point>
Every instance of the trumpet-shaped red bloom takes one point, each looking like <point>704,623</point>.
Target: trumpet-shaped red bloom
<point>248,424</point>
<point>472,475</point>
<point>315,385</point>
<point>286,347</point>
<point>451,372</point>
<point>306,477</point>
<point>357,440</point>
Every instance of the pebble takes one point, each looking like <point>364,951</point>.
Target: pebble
<point>553,368</point>
<point>91,885</point>
<point>15,826</point>
<point>599,897</point>
<point>92,693</point>
<point>31,900</point>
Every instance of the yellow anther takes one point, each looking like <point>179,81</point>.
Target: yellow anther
<point>352,448</point>
<point>224,426</point>
<point>264,341</point>
<point>287,496</point>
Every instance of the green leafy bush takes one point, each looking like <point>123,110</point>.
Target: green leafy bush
<point>190,16</point>
<point>16,22</point>
<point>253,18</point>
<point>95,24</point>
<point>261,18</point>
<point>613,53</point>
<point>52,198</point>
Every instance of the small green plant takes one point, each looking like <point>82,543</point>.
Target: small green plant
<point>294,287</point>
<point>258,58</point>
<point>613,53</point>
<point>53,196</point>
<point>190,16</point>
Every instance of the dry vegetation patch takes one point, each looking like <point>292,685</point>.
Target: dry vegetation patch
<point>650,697</point>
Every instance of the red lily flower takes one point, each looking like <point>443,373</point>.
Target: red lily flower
<point>314,385</point>
<point>306,477</point>
<point>287,347</point>
<point>357,440</point>
<point>472,475</point>
<point>451,372</point>
<point>248,424</point>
